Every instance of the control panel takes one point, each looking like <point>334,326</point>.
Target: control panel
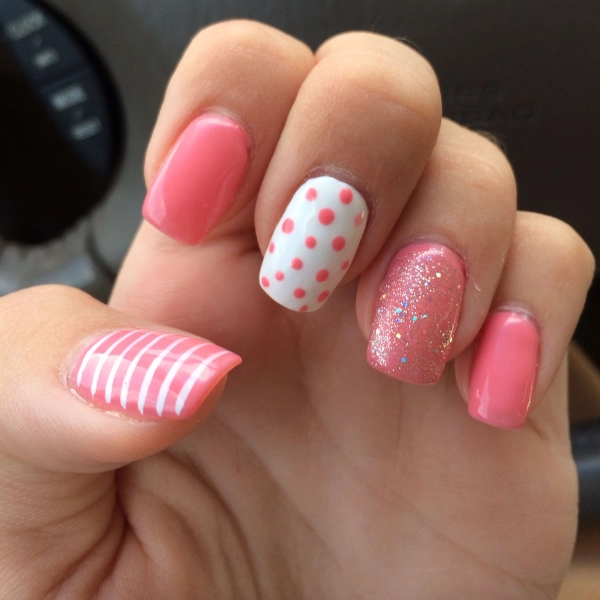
<point>60,123</point>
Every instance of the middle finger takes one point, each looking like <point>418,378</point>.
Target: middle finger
<point>354,146</point>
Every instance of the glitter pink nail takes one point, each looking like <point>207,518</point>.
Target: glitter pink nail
<point>417,313</point>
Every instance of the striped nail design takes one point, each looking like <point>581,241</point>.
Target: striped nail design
<point>314,243</point>
<point>148,374</point>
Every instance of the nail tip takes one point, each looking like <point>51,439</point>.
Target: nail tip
<point>295,309</point>
<point>199,394</point>
<point>497,420</point>
<point>232,360</point>
<point>175,234</point>
<point>500,424</point>
<point>404,375</point>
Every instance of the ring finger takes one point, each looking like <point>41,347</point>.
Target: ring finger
<point>424,298</point>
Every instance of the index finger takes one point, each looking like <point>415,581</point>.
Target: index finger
<point>223,111</point>
<point>248,75</point>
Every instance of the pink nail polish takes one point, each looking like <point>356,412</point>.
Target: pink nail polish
<point>148,374</point>
<point>199,180</point>
<point>417,313</point>
<point>504,370</point>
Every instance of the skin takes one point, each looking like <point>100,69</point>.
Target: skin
<point>314,476</point>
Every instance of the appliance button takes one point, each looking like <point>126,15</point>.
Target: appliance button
<point>21,19</point>
<point>79,108</point>
<point>68,96</point>
<point>40,44</point>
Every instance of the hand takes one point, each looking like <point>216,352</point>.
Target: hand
<point>316,476</point>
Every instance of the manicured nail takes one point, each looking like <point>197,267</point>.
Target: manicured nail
<point>199,180</point>
<point>314,243</point>
<point>147,374</point>
<point>504,370</point>
<point>417,313</point>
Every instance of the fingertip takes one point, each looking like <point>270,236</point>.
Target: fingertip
<point>522,343</point>
<point>87,388</point>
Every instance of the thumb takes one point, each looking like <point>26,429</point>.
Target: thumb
<point>86,388</point>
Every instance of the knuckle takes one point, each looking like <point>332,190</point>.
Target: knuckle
<point>382,46</point>
<point>34,303</point>
<point>564,250</point>
<point>379,82</point>
<point>241,38</point>
<point>229,32</point>
<point>494,176</point>
<point>384,67</point>
<point>571,249</point>
<point>422,69</point>
<point>480,163</point>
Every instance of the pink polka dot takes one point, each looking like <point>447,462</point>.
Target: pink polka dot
<point>323,296</point>
<point>271,247</point>
<point>311,194</point>
<point>326,216</point>
<point>265,281</point>
<point>299,293</point>
<point>346,196</point>
<point>297,264</point>
<point>358,219</point>
<point>310,241</point>
<point>279,276</point>
<point>303,308</point>
<point>345,265</point>
<point>338,243</point>
<point>288,226</point>
<point>322,275</point>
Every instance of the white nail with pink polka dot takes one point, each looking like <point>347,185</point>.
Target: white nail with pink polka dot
<point>313,243</point>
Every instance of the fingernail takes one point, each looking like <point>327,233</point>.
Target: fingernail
<point>199,180</point>
<point>314,243</point>
<point>417,313</point>
<point>148,374</point>
<point>504,369</point>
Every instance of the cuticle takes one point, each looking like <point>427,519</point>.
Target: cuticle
<point>521,310</point>
<point>234,116</point>
<point>433,239</point>
<point>67,363</point>
<point>345,176</point>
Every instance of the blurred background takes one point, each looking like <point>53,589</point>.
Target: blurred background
<point>81,82</point>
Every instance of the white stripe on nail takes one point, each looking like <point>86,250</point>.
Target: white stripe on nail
<point>90,353</point>
<point>103,359</point>
<point>130,371</point>
<point>149,376</point>
<point>189,384</point>
<point>165,388</point>
<point>116,365</point>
